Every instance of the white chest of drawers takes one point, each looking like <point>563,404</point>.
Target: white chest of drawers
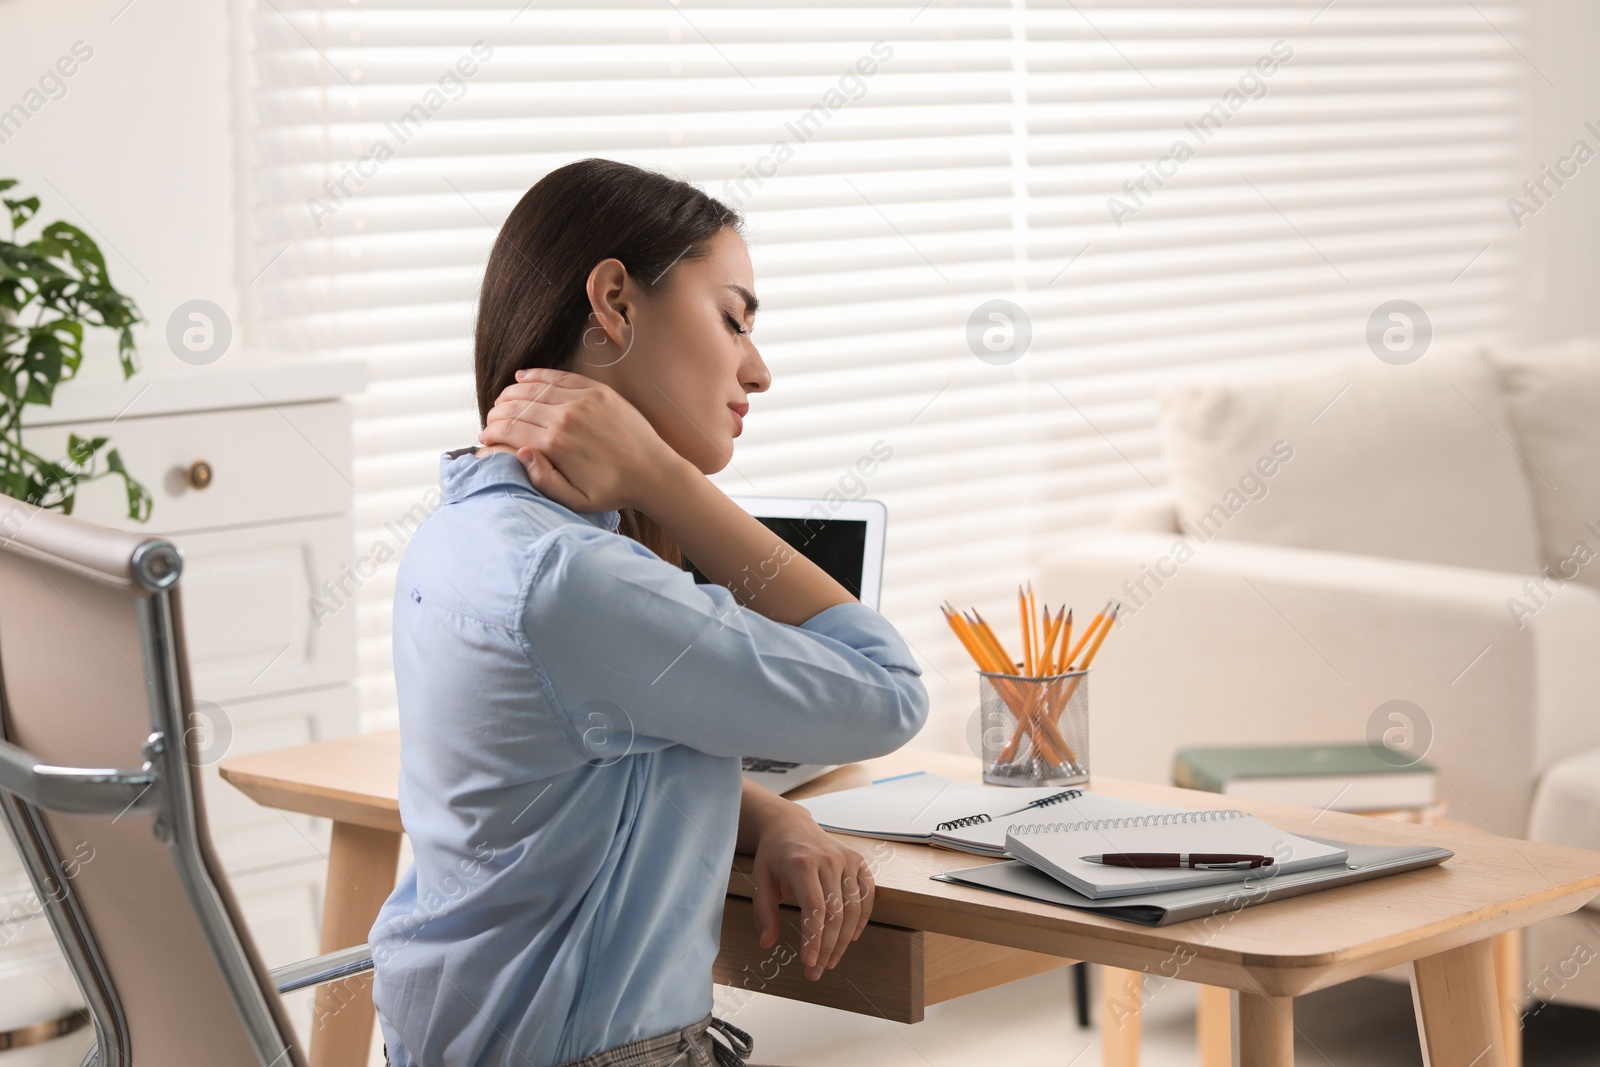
<point>250,467</point>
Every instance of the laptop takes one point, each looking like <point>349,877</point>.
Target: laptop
<point>844,538</point>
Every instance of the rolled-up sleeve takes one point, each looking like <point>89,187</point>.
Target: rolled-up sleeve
<point>605,620</point>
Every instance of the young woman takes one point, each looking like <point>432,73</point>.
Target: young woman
<point>572,703</point>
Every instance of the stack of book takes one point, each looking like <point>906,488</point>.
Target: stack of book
<point>1332,777</point>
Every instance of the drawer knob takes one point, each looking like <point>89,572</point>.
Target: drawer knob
<point>198,475</point>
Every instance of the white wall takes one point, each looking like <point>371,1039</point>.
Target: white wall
<point>1560,279</point>
<point>135,148</point>
<point>138,147</point>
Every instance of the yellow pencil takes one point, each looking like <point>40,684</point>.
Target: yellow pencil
<point>1038,725</point>
<point>1072,687</point>
<point>984,630</point>
<point>1052,632</point>
<point>980,641</point>
<point>1047,640</point>
<point>1100,638</point>
<point>1093,637</point>
<point>1087,634</point>
<point>964,634</point>
<point>1066,643</point>
<point>1035,635</point>
<point>1027,632</point>
<point>987,656</point>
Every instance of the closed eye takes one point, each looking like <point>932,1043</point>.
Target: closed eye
<point>733,324</point>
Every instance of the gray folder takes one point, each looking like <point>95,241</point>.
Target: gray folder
<point>1180,905</point>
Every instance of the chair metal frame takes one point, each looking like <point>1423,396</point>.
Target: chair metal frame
<point>161,787</point>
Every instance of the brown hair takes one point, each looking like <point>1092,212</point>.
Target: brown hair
<point>534,303</point>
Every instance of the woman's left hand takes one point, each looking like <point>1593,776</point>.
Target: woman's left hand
<point>797,863</point>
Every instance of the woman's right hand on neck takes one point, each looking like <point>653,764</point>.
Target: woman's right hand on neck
<point>588,449</point>
<point>583,444</point>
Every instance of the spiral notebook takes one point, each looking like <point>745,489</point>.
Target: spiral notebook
<point>1056,848</point>
<point>930,809</point>
<point>1180,905</point>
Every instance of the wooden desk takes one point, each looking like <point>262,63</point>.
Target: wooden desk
<point>890,971</point>
<point>1442,917</point>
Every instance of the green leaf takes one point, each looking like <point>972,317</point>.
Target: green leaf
<point>51,473</point>
<point>64,239</point>
<point>22,210</point>
<point>81,450</point>
<point>14,484</point>
<point>42,363</point>
<point>140,502</point>
<point>58,287</point>
<point>68,340</point>
<point>126,354</point>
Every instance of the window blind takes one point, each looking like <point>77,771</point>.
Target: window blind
<point>1155,189</point>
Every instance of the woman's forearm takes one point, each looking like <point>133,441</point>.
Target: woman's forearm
<point>759,808</point>
<point>733,548</point>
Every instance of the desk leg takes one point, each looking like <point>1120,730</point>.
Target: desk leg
<point>362,866</point>
<point>1508,981</point>
<point>1214,1026</point>
<point>1458,1016</point>
<point>1121,998</point>
<point>1266,1031</point>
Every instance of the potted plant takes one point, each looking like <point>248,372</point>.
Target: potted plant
<point>52,289</point>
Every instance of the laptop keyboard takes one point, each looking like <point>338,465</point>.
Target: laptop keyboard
<point>756,765</point>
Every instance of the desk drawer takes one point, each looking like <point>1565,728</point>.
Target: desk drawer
<point>257,618</point>
<point>267,464</point>
<point>890,973</point>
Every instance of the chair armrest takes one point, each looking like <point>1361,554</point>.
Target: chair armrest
<point>1238,643</point>
<point>319,970</point>
<point>103,791</point>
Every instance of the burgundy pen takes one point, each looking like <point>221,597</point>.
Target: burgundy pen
<point>1199,861</point>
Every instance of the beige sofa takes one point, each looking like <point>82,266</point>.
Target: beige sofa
<point>1366,550</point>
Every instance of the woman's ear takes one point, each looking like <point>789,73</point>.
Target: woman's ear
<point>610,335</point>
<point>609,291</point>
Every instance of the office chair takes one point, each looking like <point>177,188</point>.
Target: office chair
<point>99,787</point>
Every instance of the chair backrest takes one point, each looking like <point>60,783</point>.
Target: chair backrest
<point>99,786</point>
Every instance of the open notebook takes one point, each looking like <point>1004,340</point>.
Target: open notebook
<point>926,808</point>
<point>1057,848</point>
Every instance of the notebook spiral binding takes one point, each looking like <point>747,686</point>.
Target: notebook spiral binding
<point>974,820</point>
<point>1172,818</point>
<point>1070,794</point>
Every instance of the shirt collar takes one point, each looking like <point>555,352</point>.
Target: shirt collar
<point>463,473</point>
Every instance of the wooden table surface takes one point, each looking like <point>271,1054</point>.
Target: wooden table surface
<point>1287,947</point>
<point>352,779</point>
<point>1441,916</point>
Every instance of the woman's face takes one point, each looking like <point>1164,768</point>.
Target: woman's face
<point>681,353</point>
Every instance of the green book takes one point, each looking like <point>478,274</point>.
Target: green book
<point>1337,776</point>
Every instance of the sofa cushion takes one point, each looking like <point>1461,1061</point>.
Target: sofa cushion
<point>1408,462</point>
<point>1552,395</point>
<point>1566,805</point>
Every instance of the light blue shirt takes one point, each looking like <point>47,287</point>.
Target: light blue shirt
<point>572,710</point>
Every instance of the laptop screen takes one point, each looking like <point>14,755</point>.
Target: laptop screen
<point>838,546</point>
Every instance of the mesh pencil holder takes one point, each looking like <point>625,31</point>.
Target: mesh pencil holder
<point>1035,731</point>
